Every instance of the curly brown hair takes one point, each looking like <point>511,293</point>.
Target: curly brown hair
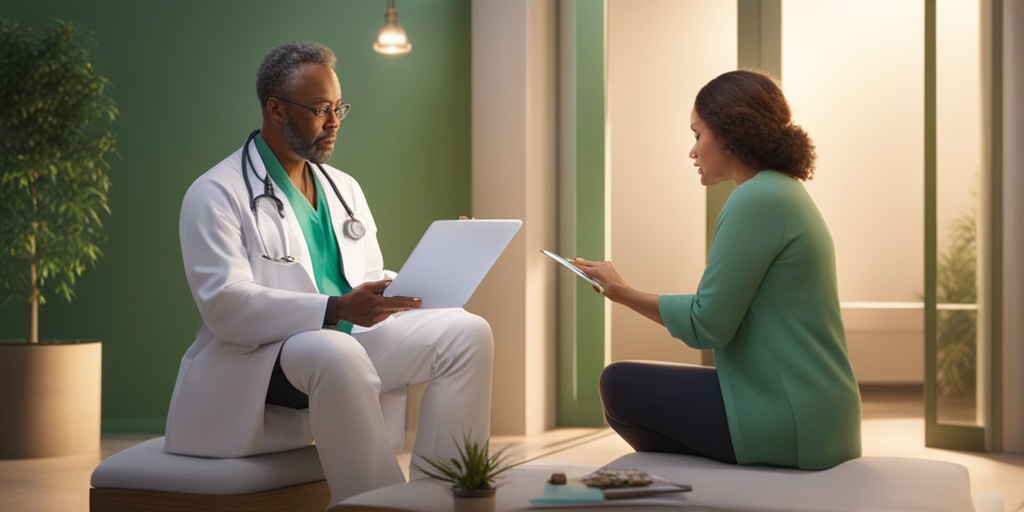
<point>749,113</point>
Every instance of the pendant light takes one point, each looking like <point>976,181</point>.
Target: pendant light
<point>392,39</point>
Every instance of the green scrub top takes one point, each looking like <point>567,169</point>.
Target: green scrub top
<point>317,228</point>
<point>768,306</point>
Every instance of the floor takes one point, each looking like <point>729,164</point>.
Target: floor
<point>893,426</point>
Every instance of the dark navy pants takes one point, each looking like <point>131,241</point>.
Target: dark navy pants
<point>664,407</point>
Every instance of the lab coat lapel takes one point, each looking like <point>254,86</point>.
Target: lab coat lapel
<point>351,255</point>
<point>296,239</point>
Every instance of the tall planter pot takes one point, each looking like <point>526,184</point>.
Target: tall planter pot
<point>49,399</point>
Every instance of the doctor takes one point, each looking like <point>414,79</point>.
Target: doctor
<point>297,343</point>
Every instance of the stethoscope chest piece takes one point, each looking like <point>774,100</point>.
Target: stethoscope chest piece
<point>354,229</point>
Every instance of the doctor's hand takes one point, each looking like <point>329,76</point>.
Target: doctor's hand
<point>365,305</point>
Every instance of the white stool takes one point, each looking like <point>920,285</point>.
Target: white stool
<point>146,478</point>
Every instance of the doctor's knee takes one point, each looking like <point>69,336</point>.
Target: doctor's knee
<point>474,335</point>
<point>325,351</point>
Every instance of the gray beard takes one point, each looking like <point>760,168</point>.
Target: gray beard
<point>307,150</point>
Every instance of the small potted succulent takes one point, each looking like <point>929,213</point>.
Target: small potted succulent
<point>471,474</point>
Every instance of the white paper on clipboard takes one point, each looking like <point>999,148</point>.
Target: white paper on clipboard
<point>451,259</point>
<point>575,270</point>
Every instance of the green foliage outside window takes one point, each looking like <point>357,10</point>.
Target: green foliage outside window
<point>958,328</point>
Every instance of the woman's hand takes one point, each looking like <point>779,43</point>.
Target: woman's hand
<point>603,272</point>
<point>616,289</point>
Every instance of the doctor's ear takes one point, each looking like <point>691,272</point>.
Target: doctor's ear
<point>274,108</point>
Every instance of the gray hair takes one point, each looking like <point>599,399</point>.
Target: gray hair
<point>280,68</point>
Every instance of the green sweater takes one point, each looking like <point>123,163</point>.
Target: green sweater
<point>768,305</point>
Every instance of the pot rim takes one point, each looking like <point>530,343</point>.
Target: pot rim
<point>45,343</point>
<point>479,493</point>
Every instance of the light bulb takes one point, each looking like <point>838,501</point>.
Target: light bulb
<point>392,39</point>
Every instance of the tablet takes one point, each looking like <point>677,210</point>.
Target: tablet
<point>576,270</point>
<point>451,259</point>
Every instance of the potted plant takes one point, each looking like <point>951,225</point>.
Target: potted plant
<point>55,135</point>
<point>471,474</point>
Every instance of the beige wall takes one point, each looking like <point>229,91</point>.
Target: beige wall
<point>660,53</point>
<point>855,83</point>
<point>853,72</point>
<point>514,155</point>
<point>865,111</point>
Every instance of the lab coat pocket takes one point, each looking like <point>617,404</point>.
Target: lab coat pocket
<point>279,275</point>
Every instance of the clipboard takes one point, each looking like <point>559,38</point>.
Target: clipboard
<point>575,270</point>
<point>451,259</point>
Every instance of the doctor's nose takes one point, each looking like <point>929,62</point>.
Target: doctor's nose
<point>332,121</point>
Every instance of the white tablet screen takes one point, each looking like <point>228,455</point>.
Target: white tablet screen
<point>451,259</point>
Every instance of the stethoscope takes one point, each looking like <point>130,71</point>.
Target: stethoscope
<point>352,228</point>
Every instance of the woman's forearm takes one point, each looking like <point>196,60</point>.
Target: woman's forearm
<point>642,302</point>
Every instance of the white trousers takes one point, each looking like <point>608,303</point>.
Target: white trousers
<point>345,376</point>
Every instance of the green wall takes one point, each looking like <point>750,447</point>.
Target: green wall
<point>183,74</point>
<point>582,354</point>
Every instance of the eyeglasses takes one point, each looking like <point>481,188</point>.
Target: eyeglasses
<point>341,110</point>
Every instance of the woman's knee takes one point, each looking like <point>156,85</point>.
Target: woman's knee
<point>615,374</point>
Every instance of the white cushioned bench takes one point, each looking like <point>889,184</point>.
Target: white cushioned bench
<point>144,477</point>
<point>894,484</point>
<point>876,484</point>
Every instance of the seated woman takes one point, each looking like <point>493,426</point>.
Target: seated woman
<point>782,391</point>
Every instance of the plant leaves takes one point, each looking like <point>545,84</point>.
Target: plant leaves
<point>55,136</point>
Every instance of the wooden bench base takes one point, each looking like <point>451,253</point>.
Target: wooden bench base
<point>313,496</point>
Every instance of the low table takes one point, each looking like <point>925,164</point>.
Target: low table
<point>868,483</point>
<point>516,487</point>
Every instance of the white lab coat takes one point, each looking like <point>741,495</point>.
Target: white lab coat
<point>249,305</point>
